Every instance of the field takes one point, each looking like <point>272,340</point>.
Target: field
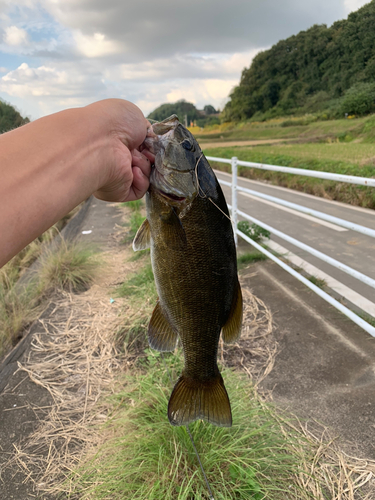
<point>339,146</point>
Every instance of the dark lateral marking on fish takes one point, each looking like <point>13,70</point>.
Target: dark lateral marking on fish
<point>161,335</point>
<point>193,399</point>
<point>232,328</point>
<point>142,239</point>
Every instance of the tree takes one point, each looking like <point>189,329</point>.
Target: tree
<point>10,118</point>
<point>321,59</point>
<point>209,110</point>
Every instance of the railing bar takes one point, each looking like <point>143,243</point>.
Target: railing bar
<point>350,314</point>
<point>326,258</point>
<point>315,213</point>
<point>350,179</point>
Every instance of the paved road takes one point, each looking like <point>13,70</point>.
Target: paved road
<point>350,247</point>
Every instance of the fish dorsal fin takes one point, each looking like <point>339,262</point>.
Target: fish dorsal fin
<point>161,336</point>
<point>142,239</point>
<point>232,328</point>
<point>173,231</point>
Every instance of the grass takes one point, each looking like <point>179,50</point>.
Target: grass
<point>140,285</point>
<point>249,258</point>
<point>145,457</point>
<point>307,128</point>
<point>319,282</point>
<point>349,153</point>
<point>70,266</point>
<point>253,231</point>
<point>134,205</point>
<point>347,193</point>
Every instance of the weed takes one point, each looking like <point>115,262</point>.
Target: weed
<point>253,231</point>
<point>139,254</point>
<point>135,221</point>
<point>134,205</point>
<point>249,258</point>
<point>366,317</point>
<point>319,282</point>
<point>139,285</point>
<point>70,266</point>
<point>17,309</point>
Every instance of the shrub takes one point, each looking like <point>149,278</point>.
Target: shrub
<point>359,99</point>
<point>253,231</point>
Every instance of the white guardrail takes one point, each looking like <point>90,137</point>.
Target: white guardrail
<point>234,162</point>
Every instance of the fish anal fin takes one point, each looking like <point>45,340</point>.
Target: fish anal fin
<point>142,239</point>
<point>173,231</point>
<point>193,399</point>
<point>232,328</point>
<point>161,336</point>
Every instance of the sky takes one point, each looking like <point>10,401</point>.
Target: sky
<point>57,54</point>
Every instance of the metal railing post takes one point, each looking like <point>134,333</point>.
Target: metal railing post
<point>234,162</point>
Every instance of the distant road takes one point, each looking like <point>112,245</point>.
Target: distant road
<point>353,249</point>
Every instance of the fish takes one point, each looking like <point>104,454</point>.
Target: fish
<point>189,232</point>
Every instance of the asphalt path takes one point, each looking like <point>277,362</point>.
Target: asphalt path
<point>347,246</point>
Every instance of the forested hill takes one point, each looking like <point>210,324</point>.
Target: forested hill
<point>321,68</point>
<point>10,118</point>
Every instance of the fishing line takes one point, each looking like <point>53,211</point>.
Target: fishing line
<point>191,437</point>
<point>202,194</point>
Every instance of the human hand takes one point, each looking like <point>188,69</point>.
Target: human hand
<point>125,169</point>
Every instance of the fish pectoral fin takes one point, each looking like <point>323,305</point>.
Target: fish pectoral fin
<point>174,232</point>
<point>161,336</point>
<point>195,399</point>
<point>232,328</point>
<point>142,239</point>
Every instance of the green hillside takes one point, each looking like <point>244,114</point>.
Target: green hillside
<point>330,70</point>
<point>10,118</point>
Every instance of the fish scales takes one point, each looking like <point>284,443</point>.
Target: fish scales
<point>193,257</point>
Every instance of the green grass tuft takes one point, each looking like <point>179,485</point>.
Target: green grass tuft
<point>249,258</point>
<point>253,231</point>
<point>71,267</point>
<point>319,282</point>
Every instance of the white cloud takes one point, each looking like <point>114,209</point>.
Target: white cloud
<point>96,45</point>
<point>78,51</point>
<point>351,5</point>
<point>15,36</point>
<point>55,85</point>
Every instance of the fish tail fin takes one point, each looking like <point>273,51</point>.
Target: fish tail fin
<point>193,399</point>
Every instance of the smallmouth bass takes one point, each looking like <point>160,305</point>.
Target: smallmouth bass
<point>193,257</point>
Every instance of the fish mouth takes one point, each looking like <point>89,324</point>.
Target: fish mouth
<point>171,197</point>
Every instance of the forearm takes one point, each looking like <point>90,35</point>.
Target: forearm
<point>46,168</point>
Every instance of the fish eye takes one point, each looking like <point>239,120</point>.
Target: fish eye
<point>186,144</point>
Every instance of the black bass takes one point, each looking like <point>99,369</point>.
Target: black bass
<point>193,257</point>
